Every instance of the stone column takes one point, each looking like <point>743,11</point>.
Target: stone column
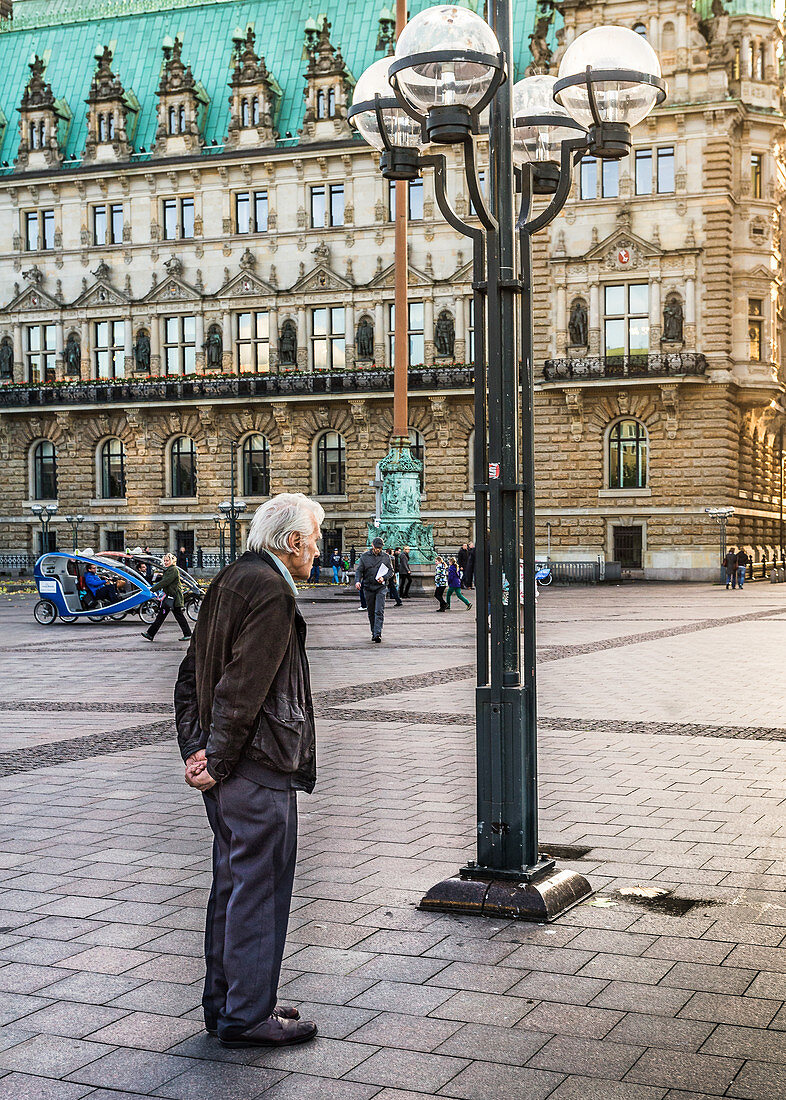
<point>227,357</point>
<point>745,57</point>
<point>655,317</point>
<point>428,330</point>
<point>459,312</point>
<point>380,343</point>
<point>273,333</point>
<point>59,345</point>
<point>155,346</point>
<point>87,365</point>
<point>19,355</point>
<point>689,334</point>
<point>349,328</point>
<point>560,339</point>
<point>128,348</point>
<point>594,321</point>
<point>302,340</point>
<point>200,340</point>
<point>160,323</point>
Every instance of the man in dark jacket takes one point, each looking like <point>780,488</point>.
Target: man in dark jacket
<point>372,573</point>
<point>404,573</point>
<point>742,567</point>
<point>730,565</point>
<point>245,727</point>
<point>172,587</point>
<point>469,572</point>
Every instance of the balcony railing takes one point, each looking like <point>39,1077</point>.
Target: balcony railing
<point>198,387</point>
<point>587,367</point>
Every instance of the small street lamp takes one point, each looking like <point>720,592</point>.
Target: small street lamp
<point>449,66</point>
<point>75,522</point>
<point>232,510</point>
<point>45,515</point>
<point>721,517</point>
<point>221,526</point>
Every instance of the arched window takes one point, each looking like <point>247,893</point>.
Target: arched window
<point>321,104</point>
<point>245,114</point>
<point>113,473</point>
<point>255,110</point>
<point>44,471</point>
<point>256,466</point>
<point>33,135</point>
<point>102,127</point>
<point>668,37</point>
<point>183,468</point>
<point>181,117</point>
<point>417,446</point>
<point>628,455</point>
<point>111,126</point>
<point>639,28</point>
<point>331,465</point>
<point>172,120</point>
<point>331,103</point>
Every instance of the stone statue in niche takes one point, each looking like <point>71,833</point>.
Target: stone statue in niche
<point>577,324</point>
<point>213,348</point>
<point>673,321</point>
<point>142,352</point>
<point>6,358</point>
<point>287,345</point>
<point>444,335</point>
<point>73,355</point>
<point>365,339</point>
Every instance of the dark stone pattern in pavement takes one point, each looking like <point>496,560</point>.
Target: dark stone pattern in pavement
<point>80,748</point>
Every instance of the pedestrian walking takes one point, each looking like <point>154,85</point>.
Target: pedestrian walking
<point>344,571</point>
<point>173,600</point>
<point>742,566</point>
<point>468,579</point>
<point>245,728</point>
<point>404,573</point>
<point>371,578</point>
<point>730,565</point>
<point>182,559</point>
<point>462,557</point>
<point>440,582</point>
<point>393,592</point>
<point>314,574</point>
<point>454,583</point>
<point>337,566</point>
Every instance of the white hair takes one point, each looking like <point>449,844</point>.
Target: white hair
<point>276,519</point>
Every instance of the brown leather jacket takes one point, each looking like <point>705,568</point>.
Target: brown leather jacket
<point>243,689</point>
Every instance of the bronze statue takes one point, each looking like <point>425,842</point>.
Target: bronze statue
<point>444,335</point>
<point>673,320</point>
<point>577,325</point>
<point>214,348</point>
<point>142,351</point>
<point>287,345</point>
<point>73,355</point>
<point>6,358</point>
<point>365,339</point>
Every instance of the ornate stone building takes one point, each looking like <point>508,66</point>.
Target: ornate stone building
<point>197,257</point>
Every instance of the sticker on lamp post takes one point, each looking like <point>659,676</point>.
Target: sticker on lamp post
<point>493,471</point>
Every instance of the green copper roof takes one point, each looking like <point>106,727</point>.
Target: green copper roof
<point>68,33</point>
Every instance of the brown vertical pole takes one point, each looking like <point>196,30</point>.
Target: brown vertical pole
<point>401,336</point>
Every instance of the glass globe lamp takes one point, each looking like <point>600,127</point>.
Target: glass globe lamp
<point>400,136</point>
<point>446,68</point>
<point>609,80</point>
<point>539,127</point>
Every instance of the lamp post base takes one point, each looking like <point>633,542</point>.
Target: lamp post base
<point>541,899</point>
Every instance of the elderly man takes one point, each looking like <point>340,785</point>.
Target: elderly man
<point>245,726</point>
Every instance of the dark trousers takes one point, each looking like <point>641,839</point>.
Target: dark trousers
<point>362,598</point>
<point>375,605</point>
<point>406,584</point>
<point>393,588</point>
<point>254,853</point>
<point>162,614</point>
<point>439,594</point>
<point>469,575</point>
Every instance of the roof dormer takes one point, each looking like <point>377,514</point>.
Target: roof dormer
<point>327,92</point>
<point>43,122</point>
<point>254,98</point>
<point>182,103</point>
<point>112,115</point>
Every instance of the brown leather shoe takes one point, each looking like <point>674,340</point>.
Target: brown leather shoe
<point>286,1012</point>
<point>275,1031</point>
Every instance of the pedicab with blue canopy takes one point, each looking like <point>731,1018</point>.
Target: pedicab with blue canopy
<point>59,578</point>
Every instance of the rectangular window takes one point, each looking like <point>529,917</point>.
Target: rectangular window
<point>756,165</point>
<point>337,204</point>
<point>116,222</point>
<point>644,171</point>
<point>666,170</point>
<point>414,200</point>
<point>328,338</point>
<point>178,218</point>
<point>588,178</point>
<point>327,205</point>
<point>109,349</point>
<point>318,208</point>
<point>39,227</point>
<point>755,324</point>
<point>610,178</point>
<point>180,345</point>
<point>471,332</point>
<point>626,319</point>
<point>482,182</point>
<point>40,351</point>
<point>415,331</point>
<point>251,212</point>
<point>253,342</point>
<point>108,224</point>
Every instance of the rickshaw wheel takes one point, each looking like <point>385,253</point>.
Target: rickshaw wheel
<point>68,618</point>
<point>118,616</point>
<point>45,612</point>
<point>192,608</point>
<point>96,618</point>
<point>148,612</point>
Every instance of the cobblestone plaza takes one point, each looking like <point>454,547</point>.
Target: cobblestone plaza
<point>662,765</point>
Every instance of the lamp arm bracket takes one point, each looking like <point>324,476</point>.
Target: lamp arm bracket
<point>572,149</point>
<point>438,163</point>
<point>487,219</point>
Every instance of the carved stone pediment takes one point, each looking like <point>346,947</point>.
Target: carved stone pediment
<point>100,294</point>
<point>246,284</point>
<point>33,298</point>
<point>172,290</point>
<point>623,251</point>
<point>321,278</point>
<point>387,278</point>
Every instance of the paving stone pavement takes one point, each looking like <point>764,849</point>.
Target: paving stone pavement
<point>662,760</point>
